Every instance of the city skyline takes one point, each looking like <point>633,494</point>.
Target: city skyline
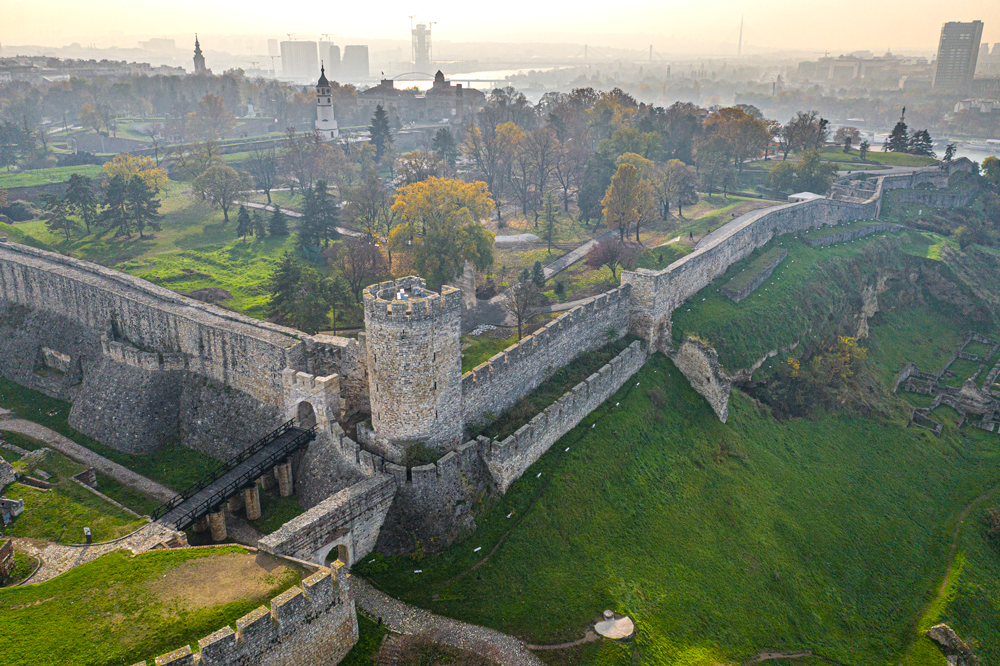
<point>672,28</point>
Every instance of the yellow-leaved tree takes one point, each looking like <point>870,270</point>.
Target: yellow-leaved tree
<point>126,166</point>
<point>442,227</point>
<point>629,201</point>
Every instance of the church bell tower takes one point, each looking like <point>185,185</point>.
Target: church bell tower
<point>326,124</point>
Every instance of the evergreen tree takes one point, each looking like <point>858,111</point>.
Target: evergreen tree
<point>898,141</point>
<point>920,144</point>
<point>115,214</point>
<point>550,219</point>
<point>283,283</point>
<point>80,196</point>
<point>445,146</point>
<point>259,228</point>
<point>863,149</point>
<point>538,274</point>
<point>381,135</point>
<point>949,152</point>
<point>278,224</point>
<point>244,225</point>
<point>142,205</point>
<point>59,211</point>
<point>320,217</point>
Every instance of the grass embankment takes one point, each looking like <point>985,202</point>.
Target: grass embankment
<point>195,249</point>
<point>60,513</point>
<point>276,511</point>
<point>24,566</point>
<point>875,156</point>
<point>481,348</point>
<point>813,290</point>
<point>35,177</point>
<point>174,466</point>
<point>119,609</point>
<point>720,540</point>
<point>752,272</point>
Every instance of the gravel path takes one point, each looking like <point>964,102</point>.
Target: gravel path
<point>84,455</point>
<point>58,558</point>
<point>405,619</point>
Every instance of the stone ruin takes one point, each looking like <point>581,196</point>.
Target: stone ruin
<point>978,405</point>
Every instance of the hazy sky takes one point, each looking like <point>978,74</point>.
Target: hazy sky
<point>797,24</point>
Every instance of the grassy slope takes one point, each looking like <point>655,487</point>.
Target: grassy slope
<point>45,176</point>
<point>174,466</point>
<point>61,513</point>
<point>194,250</point>
<point>103,613</point>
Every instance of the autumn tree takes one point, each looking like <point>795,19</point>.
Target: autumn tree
<point>197,158</point>
<point>126,166</point>
<point>418,165</point>
<point>629,201</point>
<point>211,120</point>
<point>441,226</point>
<point>222,185</point>
<point>491,147</point>
<point>614,254</point>
<point>361,263</point>
<point>570,162</point>
<point>680,186</point>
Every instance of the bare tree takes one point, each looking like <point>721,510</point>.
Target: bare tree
<point>569,164</point>
<point>263,167</point>
<point>614,254</point>
<point>361,264</point>
<point>544,148</point>
<point>519,299</point>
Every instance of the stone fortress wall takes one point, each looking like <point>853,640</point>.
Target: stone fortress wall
<point>495,385</point>
<point>315,623</point>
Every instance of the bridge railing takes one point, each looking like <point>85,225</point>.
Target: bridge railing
<point>245,479</point>
<point>220,470</point>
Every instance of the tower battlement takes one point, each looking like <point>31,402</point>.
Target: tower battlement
<point>382,302</point>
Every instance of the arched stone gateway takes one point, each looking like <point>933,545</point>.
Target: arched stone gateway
<point>341,548</point>
<point>305,416</point>
<point>322,394</point>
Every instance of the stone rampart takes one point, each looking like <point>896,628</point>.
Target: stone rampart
<point>351,517</point>
<point>312,624</point>
<point>229,348</point>
<point>936,198</point>
<point>655,294</point>
<point>833,238</point>
<point>507,460</point>
<point>494,386</point>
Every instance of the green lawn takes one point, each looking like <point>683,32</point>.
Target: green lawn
<point>719,540</point>
<point>876,155</point>
<point>276,511</point>
<point>45,176</point>
<point>482,348</point>
<point>174,466</point>
<point>370,637</point>
<point>120,609</point>
<point>61,513</point>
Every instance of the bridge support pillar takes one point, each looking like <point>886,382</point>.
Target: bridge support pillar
<point>266,481</point>
<point>251,500</point>
<point>283,473</point>
<point>235,503</point>
<point>217,521</point>
<point>201,524</point>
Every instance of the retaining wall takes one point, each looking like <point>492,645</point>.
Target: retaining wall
<point>356,512</point>
<point>508,459</point>
<point>494,386</point>
<point>849,234</point>
<point>737,296</point>
<point>312,624</point>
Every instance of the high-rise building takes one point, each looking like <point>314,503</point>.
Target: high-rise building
<point>299,60</point>
<point>272,48</point>
<point>329,56</point>
<point>354,67</point>
<point>421,48</point>
<point>957,53</point>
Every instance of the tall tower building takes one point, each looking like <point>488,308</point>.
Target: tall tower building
<point>421,35</point>
<point>199,58</point>
<point>299,59</point>
<point>326,124</point>
<point>355,66</point>
<point>957,53</point>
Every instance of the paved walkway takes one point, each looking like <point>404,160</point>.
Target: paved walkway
<point>59,558</point>
<point>294,213</point>
<point>405,619</point>
<point>84,455</point>
<point>570,258</point>
<point>560,307</point>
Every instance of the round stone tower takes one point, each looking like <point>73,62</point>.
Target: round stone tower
<point>414,362</point>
